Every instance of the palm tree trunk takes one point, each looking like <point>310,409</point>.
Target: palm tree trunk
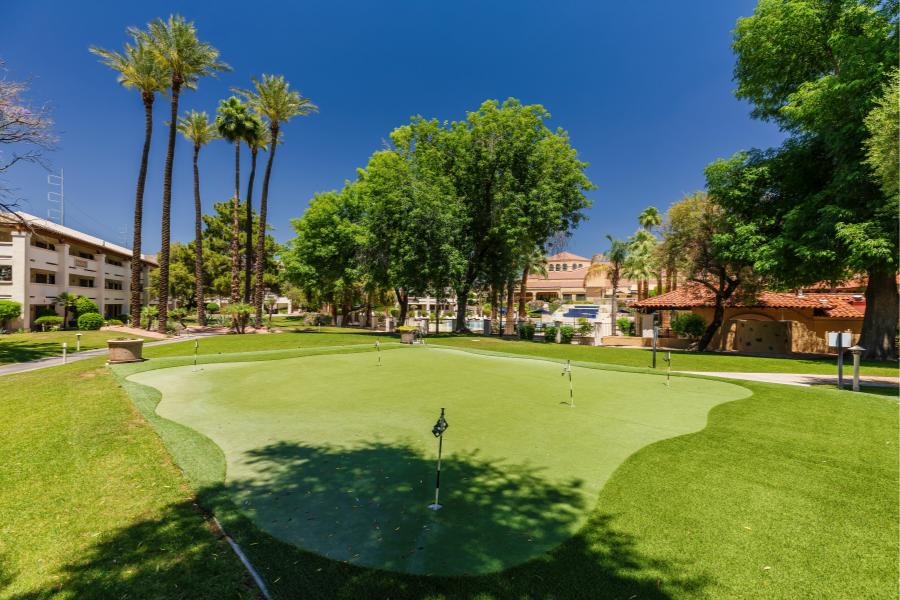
<point>261,232</point>
<point>523,289</point>
<point>248,228</point>
<point>236,233</point>
<point>198,244</point>
<point>139,214</point>
<point>659,280</point>
<point>167,212</point>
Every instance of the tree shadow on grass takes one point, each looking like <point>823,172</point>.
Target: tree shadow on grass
<point>505,531</point>
<point>17,352</point>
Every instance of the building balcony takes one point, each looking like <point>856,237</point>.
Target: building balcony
<point>43,259</point>
<point>84,265</point>
<point>42,293</point>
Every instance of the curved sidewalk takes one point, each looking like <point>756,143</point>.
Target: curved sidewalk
<point>799,379</point>
<point>54,361</point>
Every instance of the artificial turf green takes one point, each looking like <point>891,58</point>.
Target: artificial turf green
<point>800,480</point>
<point>348,471</point>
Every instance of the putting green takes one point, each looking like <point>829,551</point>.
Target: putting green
<point>335,454</point>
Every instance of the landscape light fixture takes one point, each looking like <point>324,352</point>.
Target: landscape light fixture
<point>857,351</point>
<point>64,353</point>
<point>568,370</point>
<point>668,359</point>
<point>78,348</point>
<point>440,427</point>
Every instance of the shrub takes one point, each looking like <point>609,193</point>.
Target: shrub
<point>179,314</point>
<point>148,315</point>
<point>125,318</point>
<point>566,333</point>
<point>526,331</point>
<point>85,306</point>
<point>90,322</point>
<point>313,319</point>
<point>212,307</point>
<point>495,327</point>
<point>9,311</point>
<point>625,326</point>
<point>584,328</point>
<point>535,304</point>
<point>282,311</point>
<point>395,312</point>
<point>406,328</point>
<point>114,323</point>
<point>555,306</point>
<point>47,323</point>
<point>46,311</point>
<point>690,325</point>
<point>241,313</point>
<point>550,334</point>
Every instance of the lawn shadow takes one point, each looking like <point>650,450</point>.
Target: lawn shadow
<point>17,353</point>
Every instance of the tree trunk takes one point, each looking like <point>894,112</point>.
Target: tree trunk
<point>495,297</point>
<point>668,280</point>
<point>523,289</point>
<point>139,215</point>
<point>248,227</point>
<point>345,314</point>
<point>261,231</point>
<point>334,314</point>
<point>659,282</point>
<point>879,326</point>
<point>198,243</point>
<point>462,301</point>
<point>726,288</point>
<point>674,279</point>
<point>402,300</point>
<point>510,322</point>
<point>167,212</point>
<point>236,228</point>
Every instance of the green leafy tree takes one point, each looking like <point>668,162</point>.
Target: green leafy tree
<point>197,128</point>
<point>139,70</point>
<point>817,69</point>
<point>273,100</point>
<point>611,262</point>
<point>175,46</point>
<point>535,260</point>
<point>9,311</point>
<point>68,301</point>
<point>883,148</point>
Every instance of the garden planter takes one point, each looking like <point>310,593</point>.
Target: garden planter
<point>407,337</point>
<point>125,351</point>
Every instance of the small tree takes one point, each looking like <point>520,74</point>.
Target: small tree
<point>67,300</point>
<point>149,313</point>
<point>9,311</point>
<point>240,314</point>
<point>179,314</point>
<point>690,325</point>
<point>212,307</point>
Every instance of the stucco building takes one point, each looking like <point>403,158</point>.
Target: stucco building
<point>42,259</point>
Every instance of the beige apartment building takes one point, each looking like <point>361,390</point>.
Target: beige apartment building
<point>43,259</point>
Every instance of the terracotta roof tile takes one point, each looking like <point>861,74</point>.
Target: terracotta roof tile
<point>697,295</point>
<point>567,256</point>
<point>836,305</point>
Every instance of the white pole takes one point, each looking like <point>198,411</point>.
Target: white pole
<point>196,346</point>
<point>78,348</point>
<point>64,353</point>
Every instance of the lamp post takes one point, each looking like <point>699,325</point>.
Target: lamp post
<point>655,335</point>
<point>668,359</point>
<point>440,427</point>
<point>64,352</point>
<point>568,370</point>
<point>78,347</point>
<point>857,351</point>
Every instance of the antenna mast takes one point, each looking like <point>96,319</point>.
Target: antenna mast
<point>62,199</point>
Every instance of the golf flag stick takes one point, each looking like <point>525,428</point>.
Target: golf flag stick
<point>438,432</point>
<point>196,346</point>
<point>378,348</point>
<point>568,370</point>
<point>668,360</point>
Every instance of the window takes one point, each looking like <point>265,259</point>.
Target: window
<point>85,283</point>
<point>111,261</point>
<point>113,285</point>
<point>574,266</point>
<point>557,268</point>
<point>5,273</point>
<point>580,265</point>
<point>112,310</point>
<point>565,267</point>
<point>580,297</point>
<point>45,246</point>
<point>86,255</point>
<point>44,278</point>
<point>567,297</point>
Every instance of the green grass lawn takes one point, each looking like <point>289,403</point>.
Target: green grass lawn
<point>801,480</point>
<point>21,347</point>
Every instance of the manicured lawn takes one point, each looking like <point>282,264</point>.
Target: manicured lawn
<point>21,347</point>
<point>801,480</point>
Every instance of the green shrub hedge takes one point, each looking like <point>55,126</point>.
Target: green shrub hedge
<point>90,322</point>
<point>46,323</point>
<point>550,334</point>
<point>566,333</point>
<point>526,331</point>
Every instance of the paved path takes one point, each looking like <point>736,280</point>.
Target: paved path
<point>53,361</point>
<point>796,379</point>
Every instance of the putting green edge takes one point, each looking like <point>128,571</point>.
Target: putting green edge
<point>203,462</point>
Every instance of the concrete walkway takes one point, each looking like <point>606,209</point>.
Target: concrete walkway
<point>53,361</point>
<point>796,379</point>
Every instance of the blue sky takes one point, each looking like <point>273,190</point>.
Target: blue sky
<point>644,90</point>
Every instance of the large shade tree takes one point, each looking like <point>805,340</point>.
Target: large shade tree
<point>175,46</point>
<point>817,69</point>
<point>139,70</point>
<point>273,100</point>
<point>197,128</point>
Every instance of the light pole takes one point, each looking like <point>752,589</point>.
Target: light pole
<point>655,335</point>
<point>668,359</point>
<point>64,352</point>
<point>440,427</point>
<point>857,351</point>
<point>78,347</point>
<point>568,370</point>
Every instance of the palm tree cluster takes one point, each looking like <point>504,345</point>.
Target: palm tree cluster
<point>166,59</point>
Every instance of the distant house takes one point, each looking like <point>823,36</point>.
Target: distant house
<point>806,318</point>
<point>565,282</point>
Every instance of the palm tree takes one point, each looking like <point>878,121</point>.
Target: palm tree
<point>272,100</point>
<point>234,123</point>
<point>138,70</point>
<point>257,139</point>
<point>197,128</point>
<point>69,300</point>
<point>639,265</point>
<point>650,218</point>
<point>175,45</point>
<point>535,264</point>
<point>611,261</point>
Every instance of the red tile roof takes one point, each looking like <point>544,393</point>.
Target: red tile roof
<point>567,256</point>
<point>829,305</point>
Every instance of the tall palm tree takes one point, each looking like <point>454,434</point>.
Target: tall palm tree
<point>639,265</point>
<point>611,262</point>
<point>650,218</point>
<point>175,45</point>
<point>197,128</point>
<point>535,264</point>
<point>138,70</point>
<point>257,139</point>
<point>272,100</point>
<point>234,123</point>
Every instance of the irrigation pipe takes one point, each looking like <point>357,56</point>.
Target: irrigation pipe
<point>244,559</point>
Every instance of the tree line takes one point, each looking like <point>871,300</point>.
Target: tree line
<point>167,59</point>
